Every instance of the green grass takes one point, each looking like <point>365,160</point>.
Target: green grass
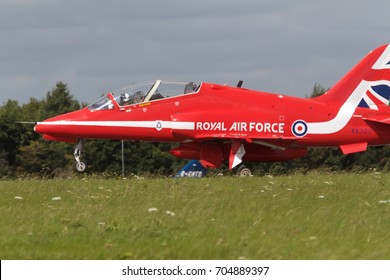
<point>314,216</point>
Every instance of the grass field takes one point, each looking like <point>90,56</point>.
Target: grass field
<point>314,216</point>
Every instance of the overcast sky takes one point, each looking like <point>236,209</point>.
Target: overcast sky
<point>96,46</point>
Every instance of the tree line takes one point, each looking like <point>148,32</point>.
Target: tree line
<point>23,152</point>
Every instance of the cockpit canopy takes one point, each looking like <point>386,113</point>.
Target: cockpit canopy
<point>144,92</point>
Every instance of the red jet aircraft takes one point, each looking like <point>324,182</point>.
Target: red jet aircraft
<point>213,123</point>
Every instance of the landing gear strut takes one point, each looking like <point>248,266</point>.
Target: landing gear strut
<point>80,166</point>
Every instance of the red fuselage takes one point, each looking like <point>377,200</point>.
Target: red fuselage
<point>208,118</point>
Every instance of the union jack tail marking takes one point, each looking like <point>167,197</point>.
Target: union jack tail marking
<point>376,95</point>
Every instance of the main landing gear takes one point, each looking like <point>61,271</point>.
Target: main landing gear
<point>243,171</point>
<point>80,166</point>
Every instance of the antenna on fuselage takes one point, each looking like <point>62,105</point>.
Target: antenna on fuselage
<point>240,83</point>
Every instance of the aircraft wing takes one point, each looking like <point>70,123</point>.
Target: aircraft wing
<point>279,143</point>
<point>210,148</point>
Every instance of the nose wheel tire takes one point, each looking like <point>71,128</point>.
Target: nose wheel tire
<point>80,166</point>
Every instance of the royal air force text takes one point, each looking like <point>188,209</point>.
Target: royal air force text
<point>265,127</point>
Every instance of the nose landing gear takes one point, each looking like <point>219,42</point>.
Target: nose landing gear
<point>80,166</point>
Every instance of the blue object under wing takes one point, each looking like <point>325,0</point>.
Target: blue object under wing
<point>192,169</point>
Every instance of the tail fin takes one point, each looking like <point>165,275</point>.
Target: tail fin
<point>367,85</point>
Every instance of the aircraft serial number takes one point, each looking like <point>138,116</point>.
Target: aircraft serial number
<point>360,130</point>
<point>241,127</point>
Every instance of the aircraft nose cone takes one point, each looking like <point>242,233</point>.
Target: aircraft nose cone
<point>36,128</point>
<point>50,128</point>
<point>40,128</point>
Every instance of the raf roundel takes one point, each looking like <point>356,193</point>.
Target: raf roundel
<point>159,125</point>
<point>299,128</point>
